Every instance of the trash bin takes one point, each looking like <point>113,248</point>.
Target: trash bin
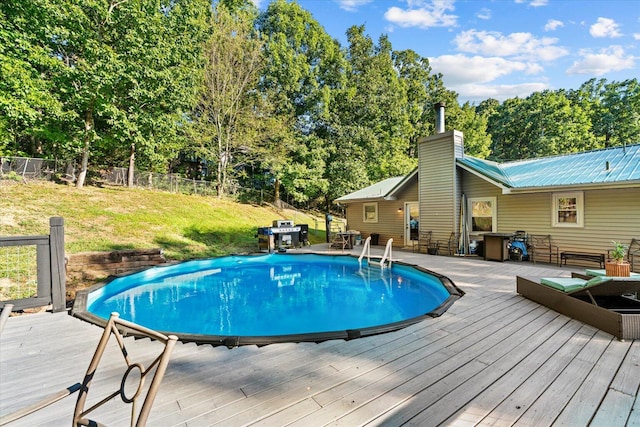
<point>375,237</point>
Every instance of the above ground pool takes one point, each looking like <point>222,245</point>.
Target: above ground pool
<point>263,299</point>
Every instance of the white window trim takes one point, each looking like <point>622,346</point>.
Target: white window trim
<point>494,214</point>
<point>364,212</point>
<point>579,195</point>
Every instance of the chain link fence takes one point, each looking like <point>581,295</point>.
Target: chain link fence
<point>163,182</point>
<point>23,168</point>
<point>18,272</point>
<point>35,169</point>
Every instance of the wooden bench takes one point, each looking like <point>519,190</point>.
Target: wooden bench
<point>582,256</point>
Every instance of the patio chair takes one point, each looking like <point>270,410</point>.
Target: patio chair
<point>4,315</point>
<point>542,246</point>
<point>602,302</point>
<point>634,253</point>
<point>132,381</point>
<point>452,244</point>
<point>340,241</point>
<point>424,240</point>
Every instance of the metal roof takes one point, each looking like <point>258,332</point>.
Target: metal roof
<point>606,166</point>
<point>378,190</point>
<point>383,190</point>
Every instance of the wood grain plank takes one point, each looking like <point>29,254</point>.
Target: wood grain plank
<point>435,404</point>
<point>490,351</point>
<point>585,402</point>
<point>543,411</point>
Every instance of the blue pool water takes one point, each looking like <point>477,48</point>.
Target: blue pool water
<point>270,295</point>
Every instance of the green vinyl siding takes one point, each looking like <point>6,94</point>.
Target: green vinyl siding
<point>439,187</point>
<point>390,223</point>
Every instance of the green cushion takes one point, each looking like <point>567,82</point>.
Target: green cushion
<point>598,280</point>
<point>569,284</point>
<point>603,272</point>
<point>565,284</point>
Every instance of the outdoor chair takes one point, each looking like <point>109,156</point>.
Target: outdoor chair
<point>424,240</point>
<point>542,246</point>
<point>453,243</point>
<point>337,239</point>
<point>132,386</point>
<point>4,315</point>
<point>341,241</point>
<point>602,301</point>
<point>633,253</point>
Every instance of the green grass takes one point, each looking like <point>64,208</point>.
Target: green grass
<point>106,219</point>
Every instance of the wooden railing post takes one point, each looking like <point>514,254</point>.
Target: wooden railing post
<point>58,273</point>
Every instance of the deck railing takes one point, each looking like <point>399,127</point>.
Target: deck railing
<point>48,287</point>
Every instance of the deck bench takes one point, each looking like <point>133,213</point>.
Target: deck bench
<point>582,256</point>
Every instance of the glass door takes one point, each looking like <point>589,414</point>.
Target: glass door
<point>411,223</point>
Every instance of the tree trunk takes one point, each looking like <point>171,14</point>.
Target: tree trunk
<point>132,161</point>
<point>276,194</point>
<point>88,129</point>
<point>220,175</point>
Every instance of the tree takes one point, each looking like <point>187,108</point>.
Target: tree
<point>127,72</point>
<point>420,88</point>
<point>543,124</point>
<point>373,105</point>
<point>31,113</point>
<point>228,97</point>
<point>476,141</point>
<point>618,119</point>
<point>303,66</point>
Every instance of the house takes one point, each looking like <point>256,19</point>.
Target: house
<point>583,200</point>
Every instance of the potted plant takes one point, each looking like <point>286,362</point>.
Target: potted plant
<point>617,266</point>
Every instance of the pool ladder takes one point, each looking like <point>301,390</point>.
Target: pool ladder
<point>386,257</point>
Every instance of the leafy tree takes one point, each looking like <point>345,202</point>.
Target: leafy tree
<point>228,99</point>
<point>127,72</point>
<point>303,65</point>
<point>373,104</point>
<point>618,118</point>
<point>31,113</point>
<point>476,140</point>
<point>545,123</point>
<point>420,88</point>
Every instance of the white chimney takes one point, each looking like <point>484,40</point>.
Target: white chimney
<point>439,107</point>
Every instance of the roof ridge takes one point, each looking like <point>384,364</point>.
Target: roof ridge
<point>595,150</point>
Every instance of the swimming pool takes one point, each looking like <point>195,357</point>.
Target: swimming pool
<point>262,299</point>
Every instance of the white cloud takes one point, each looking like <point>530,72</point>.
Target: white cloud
<point>484,13</point>
<point>464,70</point>
<point>605,27</point>
<point>553,24</point>
<point>352,5</point>
<point>479,92</point>
<point>538,3</point>
<point>517,45</point>
<point>534,3</point>
<point>606,60</point>
<point>423,14</point>
<point>636,36</point>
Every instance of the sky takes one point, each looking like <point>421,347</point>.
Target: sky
<point>500,48</point>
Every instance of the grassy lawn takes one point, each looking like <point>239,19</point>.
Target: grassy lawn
<point>111,218</point>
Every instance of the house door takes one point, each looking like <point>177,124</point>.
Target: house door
<point>411,224</point>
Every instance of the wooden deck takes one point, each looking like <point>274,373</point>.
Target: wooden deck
<point>494,358</point>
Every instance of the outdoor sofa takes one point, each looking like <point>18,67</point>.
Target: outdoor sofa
<point>603,302</point>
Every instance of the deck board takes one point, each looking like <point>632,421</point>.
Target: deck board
<point>494,358</point>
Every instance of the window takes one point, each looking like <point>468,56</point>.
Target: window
<point>370,212</point>
<point>568,209</point>
<point>482,215</point>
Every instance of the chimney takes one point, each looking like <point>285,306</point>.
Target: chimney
<point>439,107</point>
